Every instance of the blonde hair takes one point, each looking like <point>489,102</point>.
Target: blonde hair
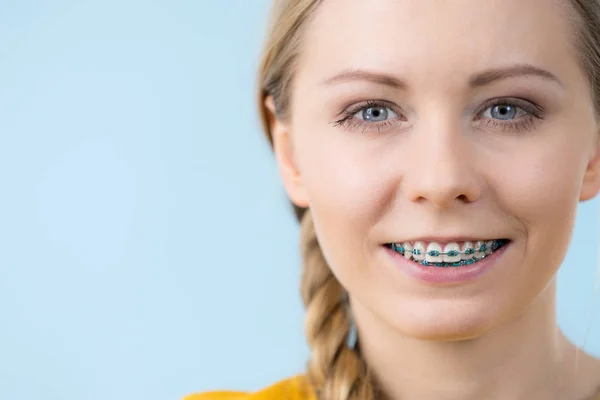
<point>336,371</point>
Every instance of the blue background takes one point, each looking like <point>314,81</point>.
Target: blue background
<point>147,250</point>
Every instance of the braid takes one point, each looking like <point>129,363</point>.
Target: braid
<point>334,371</point>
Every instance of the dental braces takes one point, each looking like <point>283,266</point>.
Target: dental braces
<point>496,244</point>
<point>452,253</point>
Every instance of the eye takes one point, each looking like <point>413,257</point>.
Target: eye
<point>504,112</point>
<point>372,116</point>
<point>510,115</point>
<point>375,114</point>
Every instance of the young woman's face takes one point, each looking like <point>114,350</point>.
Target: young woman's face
<point>441,122</point>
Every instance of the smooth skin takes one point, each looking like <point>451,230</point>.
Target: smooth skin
<point>484,127</point>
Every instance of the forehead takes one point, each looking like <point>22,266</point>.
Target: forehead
<point>438,39</point>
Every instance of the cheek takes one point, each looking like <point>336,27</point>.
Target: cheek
<point>340,175</point>
<point>541,183</point>
<point>539,188</point>
<point>347,192</point>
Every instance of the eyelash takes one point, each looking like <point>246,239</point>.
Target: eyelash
<point>534,114</point>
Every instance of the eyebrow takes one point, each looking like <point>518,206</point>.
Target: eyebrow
<point>496,74</point>
<point>481,79</point>
<point>352,75</point>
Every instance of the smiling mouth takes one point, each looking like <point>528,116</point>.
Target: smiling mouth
<point>456,254</point>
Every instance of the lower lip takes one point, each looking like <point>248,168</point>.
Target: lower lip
<point>447,275</point>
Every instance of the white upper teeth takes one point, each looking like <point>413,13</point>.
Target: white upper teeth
<point>478,253</point>
<point>466,250</point>
<point>490,245</point>
<point>454,252</point>
<point>408,250</point>
<point>434,253</point>
<point>419,251</point>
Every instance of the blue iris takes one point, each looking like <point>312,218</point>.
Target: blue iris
<point>503,112</point>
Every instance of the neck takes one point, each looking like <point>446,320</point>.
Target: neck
<point>526,358</point>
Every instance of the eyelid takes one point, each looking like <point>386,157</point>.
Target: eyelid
<point>347,120</point>
<point>356,107</point>
<point>528,106</point>
<point>534,114</point>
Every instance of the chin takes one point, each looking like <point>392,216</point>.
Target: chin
<point>447,320</point>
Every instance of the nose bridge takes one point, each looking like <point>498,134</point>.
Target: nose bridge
<point>443,170</point>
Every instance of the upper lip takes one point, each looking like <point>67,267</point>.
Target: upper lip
<point>449,239</point>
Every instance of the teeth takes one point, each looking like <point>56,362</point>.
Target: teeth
<point>407,250</point>
<point>419,251</point>
<point>434,251</point>
<point>479,254</point>
<point>452,247</point>
<point>489,247</point>
<point>467,248</point>
<point>451,253</point>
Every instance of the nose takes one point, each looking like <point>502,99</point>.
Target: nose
<point>443,171</point>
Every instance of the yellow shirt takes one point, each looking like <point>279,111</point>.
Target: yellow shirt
<point>290,389</point>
